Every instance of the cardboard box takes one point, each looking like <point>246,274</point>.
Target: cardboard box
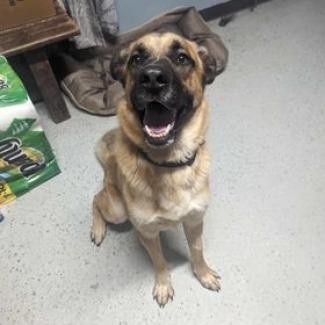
<point>18,12</point>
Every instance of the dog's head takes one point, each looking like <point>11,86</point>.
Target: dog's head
<point>164,76</point>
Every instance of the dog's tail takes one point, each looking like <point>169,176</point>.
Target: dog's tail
<point>104,147</point>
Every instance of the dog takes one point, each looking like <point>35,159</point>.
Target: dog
<point>156,163</point>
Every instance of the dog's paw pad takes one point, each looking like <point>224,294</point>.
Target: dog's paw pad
<point>162,293</point>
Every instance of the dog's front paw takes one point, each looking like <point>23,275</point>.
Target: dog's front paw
<point>163,292</point>
<point>208,278</point>
<point>98,231</point>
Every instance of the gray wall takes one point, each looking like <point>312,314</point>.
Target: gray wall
<point>134,12</point>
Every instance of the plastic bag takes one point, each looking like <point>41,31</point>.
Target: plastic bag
<point>26,157</point>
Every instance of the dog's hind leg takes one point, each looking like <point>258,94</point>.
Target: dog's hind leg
<point>108,206</point>
<point>99,226</point>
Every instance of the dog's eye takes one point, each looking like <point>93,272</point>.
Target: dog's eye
<point>182,59</point>
<point>137,59</point>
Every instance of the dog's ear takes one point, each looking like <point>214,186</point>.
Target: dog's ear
<point>118,64</point>
<point>214,61</point>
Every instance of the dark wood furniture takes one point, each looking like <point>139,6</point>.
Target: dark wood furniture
<point>31,40</point>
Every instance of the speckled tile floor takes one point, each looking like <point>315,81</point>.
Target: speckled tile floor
<point>264,231</point>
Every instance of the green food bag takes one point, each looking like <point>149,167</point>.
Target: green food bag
<point>26,157</point>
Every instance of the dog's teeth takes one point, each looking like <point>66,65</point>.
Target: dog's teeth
<point>158,132</point>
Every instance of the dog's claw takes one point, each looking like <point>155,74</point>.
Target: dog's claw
<point>94,242</point>
<point>162,293</point>
<point>98,232</point>
<point>208,278</point>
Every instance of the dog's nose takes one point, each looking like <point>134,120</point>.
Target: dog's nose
<point>154,78</point>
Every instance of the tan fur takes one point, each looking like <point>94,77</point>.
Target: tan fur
<point>155,198</point>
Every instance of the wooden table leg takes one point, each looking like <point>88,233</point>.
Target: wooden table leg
<point>46,82</point>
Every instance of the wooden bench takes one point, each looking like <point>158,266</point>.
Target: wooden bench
<point>31,40</point>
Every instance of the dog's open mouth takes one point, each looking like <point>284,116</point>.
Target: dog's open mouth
<point>158,123</point>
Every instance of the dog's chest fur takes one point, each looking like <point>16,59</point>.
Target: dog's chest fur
<point>159,198</point>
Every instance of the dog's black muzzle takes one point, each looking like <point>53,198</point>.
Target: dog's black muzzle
<point>155,78</point>
<point>156,81</point>
<point>158,96</point>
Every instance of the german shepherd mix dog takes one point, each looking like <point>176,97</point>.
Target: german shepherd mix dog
<point>157,163</point>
